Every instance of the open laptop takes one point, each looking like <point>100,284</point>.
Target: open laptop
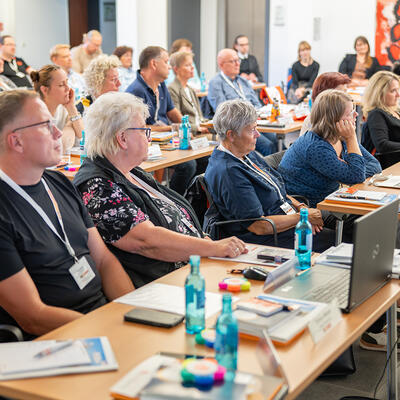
<point>374,238</point>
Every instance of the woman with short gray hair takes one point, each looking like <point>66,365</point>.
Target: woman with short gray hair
<point>151,229</point>
<point>243,186</point>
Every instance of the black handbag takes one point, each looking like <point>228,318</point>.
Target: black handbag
<point>342,366</point>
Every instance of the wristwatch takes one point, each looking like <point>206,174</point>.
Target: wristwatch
<point>75,117</point>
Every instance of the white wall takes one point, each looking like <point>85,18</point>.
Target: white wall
<point>141,23</point>
<point>36,25</point>
<point>341,22</point>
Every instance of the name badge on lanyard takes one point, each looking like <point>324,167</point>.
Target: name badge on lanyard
<point>287,208</point>
<point>82,272</point>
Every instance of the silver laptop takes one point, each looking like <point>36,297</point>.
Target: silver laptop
<point>374,238</point>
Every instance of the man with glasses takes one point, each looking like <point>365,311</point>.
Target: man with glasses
<point>229,85</point>
<point>15,68</point>
<point>55,267</point>
<point>249,68</point>
<point>83,54</point>
<point>150,86</point>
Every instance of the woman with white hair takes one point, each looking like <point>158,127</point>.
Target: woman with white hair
<point>243,186</point>
<point>149,227</point>
<point>101,76</point>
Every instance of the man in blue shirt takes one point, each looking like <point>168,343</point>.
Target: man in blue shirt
<point>149,85</point>
<point>229,85</point>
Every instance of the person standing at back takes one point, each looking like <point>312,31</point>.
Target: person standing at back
<point>150,86</point>
<point>15,68</point>
<point>87,51</point>
<point>249,68</point>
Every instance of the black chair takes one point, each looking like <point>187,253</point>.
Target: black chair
<point>274,159</point>
<point>10,333</point>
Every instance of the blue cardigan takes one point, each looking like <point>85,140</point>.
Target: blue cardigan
<point>311,167</point>
<point>239,192</point>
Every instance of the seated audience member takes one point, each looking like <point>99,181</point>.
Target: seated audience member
<point>360,66</point>
<point>304,72</point>
<point>15,68</point>
<point>186,45</point>
<point>229,85</point>
<point>327,80</point>
<point>328,154</point>
<point>101,76</point>
<point>45,228</point>
<point>52,85</point>
<point>382,112</point>
<point>249,68</point>
<point>5,83</point>
<point>242,185</point>
<point>83,54</point>
<point>125,71</point>
<point>182,95</point>
<point>149,227</point>
<point>60,55</point>
<point>150,86</point>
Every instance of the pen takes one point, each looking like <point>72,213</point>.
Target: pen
<point>54,349</point>
<point>351,196</point>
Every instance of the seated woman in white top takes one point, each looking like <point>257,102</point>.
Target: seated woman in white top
<point>51,82</point>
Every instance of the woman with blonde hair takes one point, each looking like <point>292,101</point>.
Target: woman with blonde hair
<point>51,82</point>
<point>101,76</point>
<point>381,132</point>
<point>360,66</point>
<point>304,72</point>
<point>329,153</point>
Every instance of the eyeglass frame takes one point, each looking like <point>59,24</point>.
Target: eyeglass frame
<point>233,61</point>
<point>147,131</point>
<point>50,126</point>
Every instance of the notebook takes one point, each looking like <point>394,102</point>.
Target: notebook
<point>374,242</point>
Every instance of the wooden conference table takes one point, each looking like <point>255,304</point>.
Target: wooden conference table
<point>169,159</point>
<point>302,360</point>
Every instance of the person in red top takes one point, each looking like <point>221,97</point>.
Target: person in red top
<point>15,68</point>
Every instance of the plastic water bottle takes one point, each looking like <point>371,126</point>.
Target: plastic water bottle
<point>184,132</point>
<point>195,297</point>
<point>227,338</point>
<point>77,96</point>
<point>303,240</point>
<point>82,148</point>
<point>310,100</point>
<point>202,82</point>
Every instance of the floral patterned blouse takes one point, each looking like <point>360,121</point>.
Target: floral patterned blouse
<point>115,214</point>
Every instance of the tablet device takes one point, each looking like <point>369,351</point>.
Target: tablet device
<point>153,317</point>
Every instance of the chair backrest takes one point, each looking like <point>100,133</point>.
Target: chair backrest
<point>206,108</point>
<point>268,94</point>
<point>198,196</point>
<point>289,80</point>
<point>274,159</point>
<point>10,333</point>
<point>366,140</point>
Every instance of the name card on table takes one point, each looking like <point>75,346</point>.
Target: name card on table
<point>199,143</point>
<point>154,152</point>
<point>324,321</point>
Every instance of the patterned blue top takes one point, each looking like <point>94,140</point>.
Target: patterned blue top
<point>126,77</point>
<point>219,90</point>
<point>311,167</point>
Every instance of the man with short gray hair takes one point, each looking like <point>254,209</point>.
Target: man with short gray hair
<point>55,266</point>
<point>87,51</point>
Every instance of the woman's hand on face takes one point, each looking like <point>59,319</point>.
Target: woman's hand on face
<point>230,247</point>
<point>346,129</point>
<point>70,105</point>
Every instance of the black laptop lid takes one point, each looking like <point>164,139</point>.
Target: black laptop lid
<point>374,242</point>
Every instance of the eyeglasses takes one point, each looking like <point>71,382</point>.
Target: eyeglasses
<point>234,61</point>
<point>50,126</point>
<point>147,131</point>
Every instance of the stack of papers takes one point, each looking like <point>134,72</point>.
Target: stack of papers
<point>20,360</point>
<point>161,136</point>
<point>361,197</point>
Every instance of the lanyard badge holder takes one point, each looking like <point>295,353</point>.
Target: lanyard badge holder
<point>81,270</point>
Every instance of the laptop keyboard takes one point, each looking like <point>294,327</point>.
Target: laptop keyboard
<point>336,287</point>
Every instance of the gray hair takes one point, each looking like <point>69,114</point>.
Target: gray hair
<point>110,114</point>
<point>233,115</point>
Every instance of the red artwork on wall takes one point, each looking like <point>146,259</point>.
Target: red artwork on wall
<point>387,35</point>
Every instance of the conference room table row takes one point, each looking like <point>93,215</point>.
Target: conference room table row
<point>303,360</point>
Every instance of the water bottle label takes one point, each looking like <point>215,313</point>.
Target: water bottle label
<point>201,298</point>
<point>308,241</point>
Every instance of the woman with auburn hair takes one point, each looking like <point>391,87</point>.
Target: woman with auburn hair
<point>360,66</point>
<point>328,154</point>
<point>51,82</point>
<point>304,72</point>
<point>381,132</point>
<point>327,80</point>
